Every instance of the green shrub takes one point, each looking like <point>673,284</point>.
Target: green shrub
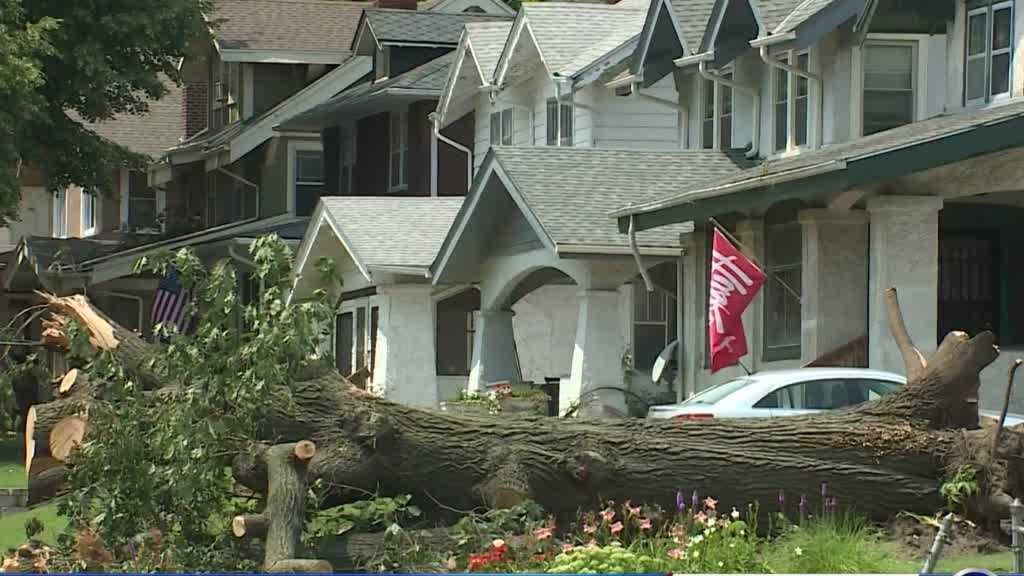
<point>613,558</point>
<point>832,544</point>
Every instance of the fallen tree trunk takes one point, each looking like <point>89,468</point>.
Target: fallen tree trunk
<point>881,457</point>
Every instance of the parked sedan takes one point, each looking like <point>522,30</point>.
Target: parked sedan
<point>790,392</point>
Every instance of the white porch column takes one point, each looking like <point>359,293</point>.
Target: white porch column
<point>597,356</point>
<point>694,327</point>
<point>904,254</point>
<point>751,234</point>
<point>833,308</point>
<point>406,365</point>
<point>494,350</point>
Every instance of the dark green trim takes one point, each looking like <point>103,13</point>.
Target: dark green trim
<point>915,157</point>
<point>362,293</point>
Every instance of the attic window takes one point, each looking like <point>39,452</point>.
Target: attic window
<point>382,64</point>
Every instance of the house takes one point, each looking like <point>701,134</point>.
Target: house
<point>889,146</point>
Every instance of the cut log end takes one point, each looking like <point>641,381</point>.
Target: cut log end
<point>65,436</point>
<point>30,440</point>
<point>249,526</point>
<point>305,450</point>
<point>68,381</point>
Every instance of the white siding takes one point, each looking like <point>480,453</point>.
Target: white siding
<point>633,122</point>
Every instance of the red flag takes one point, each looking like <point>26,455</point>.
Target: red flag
<point>734,282</point>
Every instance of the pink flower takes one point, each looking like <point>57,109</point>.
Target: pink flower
<point>543,533</point>
<point>589,528</point>
<point>677,554</point>
<point>633,511</point>
<point>566,547</point>
<point>608,514</point>
<point>645,523</point>
<point>700,516</point>
<point>710,503</point>
<point>616,528</point>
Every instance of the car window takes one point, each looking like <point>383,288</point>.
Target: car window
<point>814,395</point>
<point>716,393</point>
<point>874,389</point>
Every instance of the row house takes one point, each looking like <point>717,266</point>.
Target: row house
<point>887,136</point>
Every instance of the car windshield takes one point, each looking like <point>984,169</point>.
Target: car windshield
<point>716,393</point>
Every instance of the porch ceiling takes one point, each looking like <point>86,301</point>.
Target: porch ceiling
<point>867,161</point>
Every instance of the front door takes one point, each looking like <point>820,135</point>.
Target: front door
<point>969,291</point>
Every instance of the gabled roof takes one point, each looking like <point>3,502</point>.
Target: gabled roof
<point>565,193</point>
<point>250,30</point>
<point>863,161</point>
<point>487,39</point>
<point>399,235</point>
<point>425,81</point>
<point>690,22</point>
<point>475,62</point>
<point>571,36</point>
<point>151,133</point>
<point>496,6</point>
<point>386,26</point>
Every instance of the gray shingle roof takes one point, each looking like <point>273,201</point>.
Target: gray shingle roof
<point>393,231</point>
<point>801,14</point>
<point>151,133</point>
<point>571,191</point>
<point>572,36</point>
<point>692,17</point>
<point>391,25</point>
<point>428,79</point>
<point>488,40</point>
<point>315,25</point>
<point>880,143</point>
<point>773,12</point>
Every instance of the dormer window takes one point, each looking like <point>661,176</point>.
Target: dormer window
<point>502,127</point>
<point>559,123</point>
<point>989,39</point>
<point>791,103</point>
<point>716,121</point>
<point>382,64</point>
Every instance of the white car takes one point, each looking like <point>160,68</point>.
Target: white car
<point>790,392</point>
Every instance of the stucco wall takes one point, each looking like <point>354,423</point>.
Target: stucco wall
<point>545,329</point>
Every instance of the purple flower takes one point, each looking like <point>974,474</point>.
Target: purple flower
<point>131,549</point>
<point>824,490</point>
<point>695,501</point>
<point>782,499</point>
<point>680,501</point>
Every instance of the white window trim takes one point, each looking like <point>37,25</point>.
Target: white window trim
<point>813,109</point>
<point>561,106</point>
<point>501,126</point>
<point>353,306</point>
<point>96,207</point>
<point>125,187</point>
<point>717,115</point>
<point>403,150</point>
<point>920,73</point>
<point>59,198</point>
<point>988,54</point>
<point>293,147</point>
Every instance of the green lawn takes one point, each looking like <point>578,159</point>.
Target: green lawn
<point>1001,562</point>
<point>12,462</point>
<point>12,528</point>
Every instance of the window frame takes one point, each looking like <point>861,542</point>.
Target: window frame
<point>398,119</point>
<point>988,8</point>
<point>89,219</point>
<point>772,351</point>
<point>293,149</point>
<point>717,114</point>
<point>128,200</point>
<point>792,58</point>
<point>364,346</point>
<point>915,81</point>
<point>498,135</point>
<point>668,308</point>
<point>560,122</point>
<point>59,218</point>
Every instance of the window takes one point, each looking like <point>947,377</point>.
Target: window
<point>889,73</point>
<point>717,103</point>
<point>382,63</point>
<point>343,340</point>
<point>453,336</point>
<point>60,222</point>
<point>348,162</point>
<point>142,208</point>
<point>826,394</point>
<point>653,324</point>
<point>355,337</point>
<point>399,149</point>
<point>502,127</point>
<point>559,123</point>
<point>309,180</point>
<point>226,86</point>
<point>791,95</point>
<point>783,268</point>
<point>989,39</point>
<point>90,202</point>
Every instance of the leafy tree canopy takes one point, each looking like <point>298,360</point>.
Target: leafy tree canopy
<point>64,63</point>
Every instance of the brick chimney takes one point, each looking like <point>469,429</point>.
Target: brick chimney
<point>194,103</point>
<point>396,4</point>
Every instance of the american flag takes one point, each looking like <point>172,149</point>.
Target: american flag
<point>171,302</point>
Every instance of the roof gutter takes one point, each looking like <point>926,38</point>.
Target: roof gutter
<point>733,187</point>
<point>625,81</point>
<point>687,61</point>
<point>755,137</point>
<point>773,40</point>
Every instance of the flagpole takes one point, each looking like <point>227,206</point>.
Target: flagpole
<point>749,254</point>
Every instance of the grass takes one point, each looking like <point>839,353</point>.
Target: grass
<point>12,528</point>
<point>1000,562</point>
<point>836,545</point>
<point>12,467</point>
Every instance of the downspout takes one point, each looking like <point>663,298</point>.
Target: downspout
<point>766,57</point>
<point>469,153</point>
<point>755,136</point>
<point>636,255</point>
<point>249,183</point>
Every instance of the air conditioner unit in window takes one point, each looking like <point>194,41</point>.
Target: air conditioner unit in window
<point>220,94</point>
